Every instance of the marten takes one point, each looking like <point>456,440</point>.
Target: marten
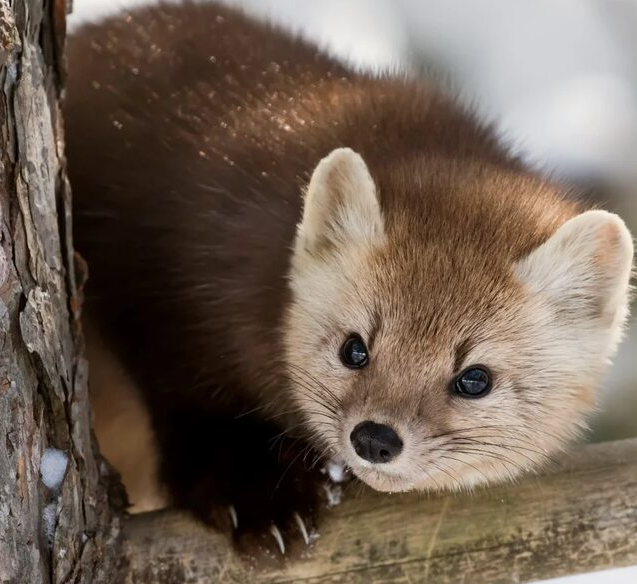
<point>294,261</point>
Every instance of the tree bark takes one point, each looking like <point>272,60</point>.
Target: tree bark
<point>56,524</point>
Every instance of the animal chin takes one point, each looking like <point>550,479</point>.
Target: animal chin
<point>381,481</point>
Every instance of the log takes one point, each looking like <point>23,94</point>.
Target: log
<point>580,515</point>
<point>56,524</point>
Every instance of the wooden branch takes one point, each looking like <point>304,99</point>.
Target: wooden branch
<point>579,516</point>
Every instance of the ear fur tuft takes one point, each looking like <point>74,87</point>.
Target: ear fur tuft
<point>341,205</point>
<point>584,271</point>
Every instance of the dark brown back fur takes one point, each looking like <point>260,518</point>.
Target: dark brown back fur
<point>191,133</point>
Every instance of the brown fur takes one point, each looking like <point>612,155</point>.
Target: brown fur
<point>192,132</point>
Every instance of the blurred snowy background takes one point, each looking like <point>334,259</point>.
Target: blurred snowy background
<point>559,79</point>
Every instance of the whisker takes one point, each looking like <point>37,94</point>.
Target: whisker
<point>319,398</point>
<point>504,446</point>
<point>466,463</point>
<point>278,484</point>
<point>308,376</point>
<point>498,457</point>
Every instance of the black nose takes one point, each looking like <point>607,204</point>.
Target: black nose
<point>375,442</point>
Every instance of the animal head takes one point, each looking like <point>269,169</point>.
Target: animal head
<point>453,338</point>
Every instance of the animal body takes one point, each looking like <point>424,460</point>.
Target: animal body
<point>294,261</point>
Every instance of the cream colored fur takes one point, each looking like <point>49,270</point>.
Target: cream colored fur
<point>584,267</point>
<point>341,204</point>
<point>546,325</point>
<point>122,426</point>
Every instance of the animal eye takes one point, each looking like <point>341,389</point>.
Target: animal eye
<point>354,352</point>
<point>473,382</point>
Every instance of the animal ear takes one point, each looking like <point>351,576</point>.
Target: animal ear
<point>341,205</point>
<point>584,269</point>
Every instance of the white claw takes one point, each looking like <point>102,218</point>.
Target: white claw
<point>233,516</point>
<point>274,530</point>
<point>302,528</point>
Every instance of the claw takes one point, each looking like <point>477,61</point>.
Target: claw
<point>276,534</point>
<point>302,528</point>
<point>233,516</point>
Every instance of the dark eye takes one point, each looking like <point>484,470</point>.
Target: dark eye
<point>473,382</point>
<point>354,352</point>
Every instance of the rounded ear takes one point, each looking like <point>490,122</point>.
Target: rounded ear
<point>584,270</point>
<point>341,205</point>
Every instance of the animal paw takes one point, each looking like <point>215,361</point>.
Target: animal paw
<point>240,477</point>
<point>278,509</point>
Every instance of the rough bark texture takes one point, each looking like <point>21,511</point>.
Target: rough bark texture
<point>67,533</point>
<point>580,516</point>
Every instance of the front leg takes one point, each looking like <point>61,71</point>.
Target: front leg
<point>241,473</point>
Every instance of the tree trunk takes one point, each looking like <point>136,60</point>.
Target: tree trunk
<point>56,524</point>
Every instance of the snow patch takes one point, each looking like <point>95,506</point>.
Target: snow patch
<point>49,519</point>
<point>53,468</point>
<point>313,535</point>
<point>336,471</point>
<point>334,494</point>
